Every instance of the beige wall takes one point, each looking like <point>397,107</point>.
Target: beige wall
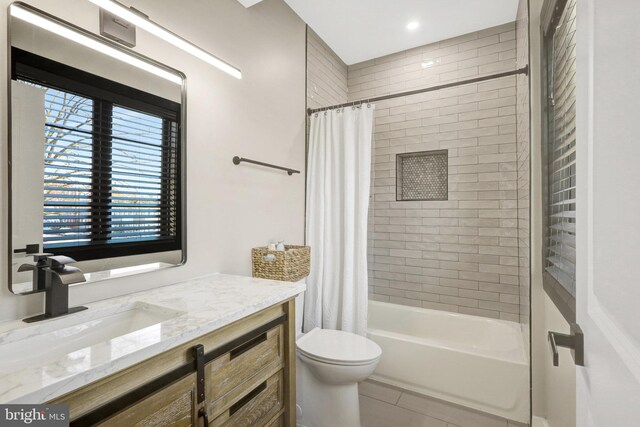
<point>457,255</point>
<point>230,208</point>
<point>553,388</point>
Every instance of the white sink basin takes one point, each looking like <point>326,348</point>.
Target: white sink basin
<point>118,331</point>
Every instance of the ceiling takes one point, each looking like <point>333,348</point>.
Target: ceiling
<point>359,30</point>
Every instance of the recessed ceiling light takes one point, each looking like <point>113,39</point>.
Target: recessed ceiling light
<point>413,25</point>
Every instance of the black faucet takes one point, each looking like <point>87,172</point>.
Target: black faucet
<point>52,275</point>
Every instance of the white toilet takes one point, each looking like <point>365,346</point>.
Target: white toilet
<point>330,365</point>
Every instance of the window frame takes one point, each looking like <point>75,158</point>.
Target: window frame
<point>552,11</point>
<point>30,67</point>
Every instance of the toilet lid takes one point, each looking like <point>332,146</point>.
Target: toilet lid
<point>338,347</point>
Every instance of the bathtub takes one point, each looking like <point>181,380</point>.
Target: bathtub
<point>472,361</point>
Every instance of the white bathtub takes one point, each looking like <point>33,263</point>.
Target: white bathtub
<point>472,361</point>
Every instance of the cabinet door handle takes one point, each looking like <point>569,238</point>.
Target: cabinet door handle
<point>202,413</point>
<point>248,398</point>
<point>198,355</point>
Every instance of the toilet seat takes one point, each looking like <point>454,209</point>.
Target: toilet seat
<point>338,347</point>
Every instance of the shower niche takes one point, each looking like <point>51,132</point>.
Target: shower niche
<point>422,175</point>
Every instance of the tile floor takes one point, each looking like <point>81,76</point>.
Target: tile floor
<point>386,406</point>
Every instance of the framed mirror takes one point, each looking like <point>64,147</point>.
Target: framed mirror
<point>96,153</point>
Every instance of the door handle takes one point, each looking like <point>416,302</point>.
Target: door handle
<point>202,413</point>
<point>574,341</point>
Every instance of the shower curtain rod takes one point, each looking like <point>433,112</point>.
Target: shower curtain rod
<point>524,70</point>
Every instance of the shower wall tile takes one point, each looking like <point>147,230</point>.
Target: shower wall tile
<point>326,74</point>
<point>523,169</point>
<point>461,254</point>
<point>471,55</point>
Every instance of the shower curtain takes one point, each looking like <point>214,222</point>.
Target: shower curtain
<point>338,180</point>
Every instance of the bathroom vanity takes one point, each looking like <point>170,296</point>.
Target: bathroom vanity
<point>218,351</point>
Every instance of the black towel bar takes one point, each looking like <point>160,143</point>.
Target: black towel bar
<point>237,160</point>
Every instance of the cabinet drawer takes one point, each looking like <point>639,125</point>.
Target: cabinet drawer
<point>278,422</point>
<point>256,408</point>
<point>241,364</point>
<point>173,406</point>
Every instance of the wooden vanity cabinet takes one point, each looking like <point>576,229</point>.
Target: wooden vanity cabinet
<point>242,375</point>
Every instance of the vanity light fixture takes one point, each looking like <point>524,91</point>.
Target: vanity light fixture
<point>140,20</point>
<point>25,14</point>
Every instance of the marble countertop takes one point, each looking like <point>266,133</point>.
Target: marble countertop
<point>193,308</point>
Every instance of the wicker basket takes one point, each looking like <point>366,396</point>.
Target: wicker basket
<point>290,265</point>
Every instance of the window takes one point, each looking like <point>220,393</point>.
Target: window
<point>111,164</point>
<point>560,150</point>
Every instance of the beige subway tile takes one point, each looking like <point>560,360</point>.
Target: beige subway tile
<point>422,246</point>
<point>497,158</point>
<point>406,253</point>
<point>499,306</point>
<point>460,284</point>
<point>479,276</point>
<point>389,260</point>
<point>440,238</point>
<point>498,250</point>
<point>510,26</point>
<point>478,240</point>
<point>460,266</point>
<point>440,290</point>
<point>422,296</point>
<point>406,286</point>
<point>512,318</point>
<point>479,312</point>
<point>426,263</point>
<point>437,272</point>
<point>509,280</point>
<point>479,295</point>
<point>510,298</point>
<point>500,269</point>
<point>479,43</point>
<point>389,276</point>
<point>497,47</point>
<point>500,288</point>
<point>422,279</point>
<point>460,249</point>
